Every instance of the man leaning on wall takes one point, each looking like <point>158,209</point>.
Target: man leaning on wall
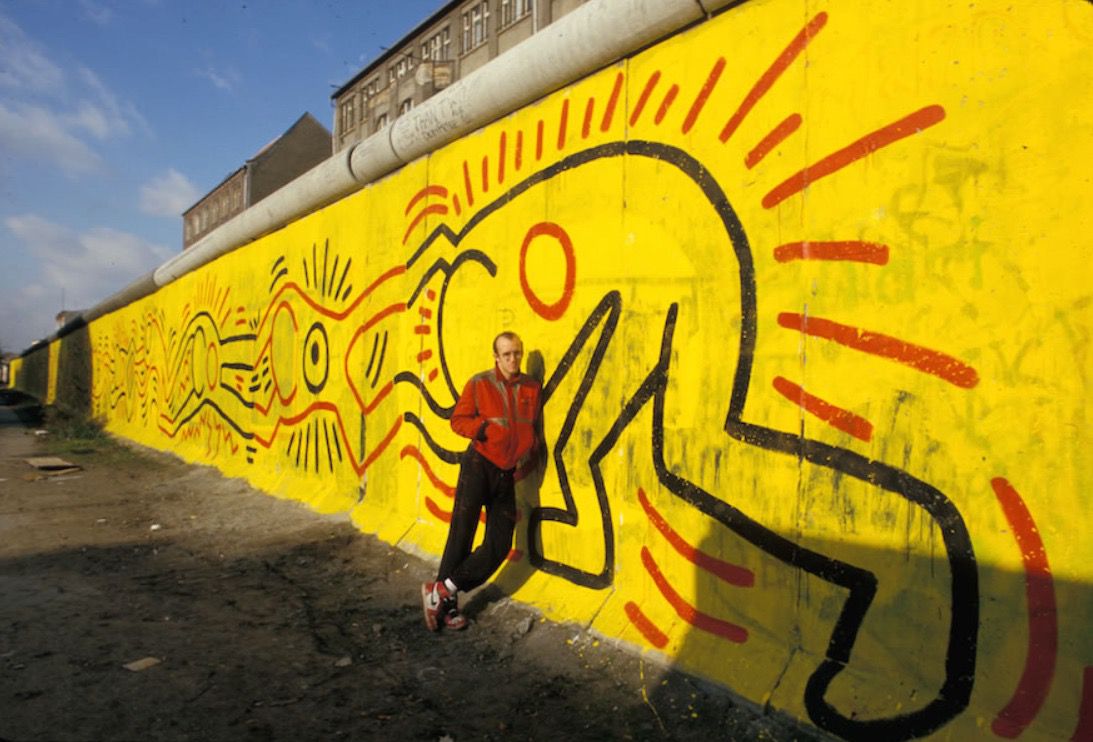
<point>500,412</point>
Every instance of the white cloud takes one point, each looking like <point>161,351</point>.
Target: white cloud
<point>96,13</point>
<point>222,79</point>
<point>23,66</point>
<point>168,194</point>
<point>48,115</point>
<point>87,266</point>
<point>33,132</point>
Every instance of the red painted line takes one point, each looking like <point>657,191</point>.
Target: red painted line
<point>586,127</point>
<point>644,97</point>
<point>425,312</point>
<point>860,252</point>
<point>224,319</point>
<point>562,123</point>
<point>772,140</point>
<point>467,184</point>
<point>446,515</point>
<point>609,112</point>
<point>431,209</point>
<point>1043,625</point>
<point>704,94</point>
<point>836,417</point>
<point>515,555</point>
<point>641,622</point>
<point>456,205</point>
<point>502,155</point>
<point>1083,732</point>
<point>431,294</point>
<point>381,447</point>
<point>688,612</point>
<point>486,174</point>
<point>730,573</point>
<point>767,80</point>
<point>423,330</point>
<point>430,190</point>
<point>669,99</point>
<point>923,359</point>
<point>519,149</point>
<point>905,127</point>
<point>539,141</point>
<point>415,453</point>
<point>240,322</point>
<point>424,356</point>
<point>433,374</point>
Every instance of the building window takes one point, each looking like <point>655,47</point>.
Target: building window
<point>381,121</point>
<point>390,75</point>
<point>513,10</point>
<point>405,106</point>
<point>475,19</point>
<point>371,87</point>
<point>404,66</point>
<point>437,48</point>
<point>349,112</point>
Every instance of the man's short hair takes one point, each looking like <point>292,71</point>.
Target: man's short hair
<point>507,335</point>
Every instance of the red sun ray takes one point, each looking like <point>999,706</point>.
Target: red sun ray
<point>905,127</point>
<point>772,140</point>
<point>688,612</point>
<point>852,250</point>
<point>430,190</point>
<point>764,83</point>
<point>704,94</point>
<point>648,629</point>
<point>922,359</point>
<point>836,417</point>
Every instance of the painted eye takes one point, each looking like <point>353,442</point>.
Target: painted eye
<point>316,358</point>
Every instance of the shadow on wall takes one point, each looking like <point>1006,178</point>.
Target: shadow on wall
<point>74,372</point>
<point>899,679</point>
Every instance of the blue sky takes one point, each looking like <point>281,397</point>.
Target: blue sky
<point>116,115</point>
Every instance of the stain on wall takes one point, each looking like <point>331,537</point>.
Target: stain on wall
<point>806,289</point>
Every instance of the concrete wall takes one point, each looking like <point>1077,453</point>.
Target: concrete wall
<point>807,288</point>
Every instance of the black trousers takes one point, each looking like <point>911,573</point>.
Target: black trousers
<point>480,485</point>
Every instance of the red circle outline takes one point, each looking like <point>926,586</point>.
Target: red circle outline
<point>557,309</point>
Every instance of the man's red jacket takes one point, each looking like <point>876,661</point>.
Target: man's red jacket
<point>500,415</point>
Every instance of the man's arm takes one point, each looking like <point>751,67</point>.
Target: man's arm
<point>466,421</point>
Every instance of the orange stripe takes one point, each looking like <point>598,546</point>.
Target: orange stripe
<point>688,612</point>
<point>652,634</point>
<point>836,417</point>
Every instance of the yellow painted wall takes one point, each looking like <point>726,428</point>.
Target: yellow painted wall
<point>807,285</point>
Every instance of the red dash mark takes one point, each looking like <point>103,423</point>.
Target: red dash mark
<point>502,155</point>
<point>860,252</point>
<point>730,573</point>
<point>562,122</point>
<point>424,356</point>
<point>644,97</point>
<point>432,190</point>
<point>415,453</point>
<point>704,94</point>
<point>613,101</point>
<point>772,140</point>
<point>652,634</point>
<point>923,359</point>
<point>905,127</point>
<point>519,149</point>
<point>1043,628</point>
<point>433,209</point>
<point>586,127</point>
<point>539,140</point>
<point>1084,731</point>
<point>669,99</point>
<point>423,330</point>
<point>425,312</point>
<point>433,374</point>
<point>836,417</point>
<point>467,184</point>
<point>431,294</point>
<point>456,205</point>
<point>485,174</point>
<point>688,612</point>
<point>764,83</point>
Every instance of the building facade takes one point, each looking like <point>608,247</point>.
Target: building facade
<point>303,146</point>
<point>453,42</point>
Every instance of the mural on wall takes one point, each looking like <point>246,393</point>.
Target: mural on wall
<point>798,305</point>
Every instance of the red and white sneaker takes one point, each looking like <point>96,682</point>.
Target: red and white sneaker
<point>432,602</point>
<point>453,619</point>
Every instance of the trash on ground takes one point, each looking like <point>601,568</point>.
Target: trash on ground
<point>53,466</point>
<point>142,664</point>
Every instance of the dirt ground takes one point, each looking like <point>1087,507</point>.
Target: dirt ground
<point>270,622</point>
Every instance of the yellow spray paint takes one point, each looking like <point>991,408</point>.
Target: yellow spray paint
<point>806,286</point>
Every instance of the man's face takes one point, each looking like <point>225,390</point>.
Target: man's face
<point>508,355</point>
